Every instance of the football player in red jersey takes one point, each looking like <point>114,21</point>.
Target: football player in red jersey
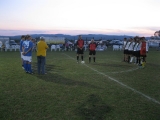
<point>143,50</point>
<point>80,50</point>
<point>92,50</point>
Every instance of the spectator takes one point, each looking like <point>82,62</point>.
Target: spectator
<point>41,55</point>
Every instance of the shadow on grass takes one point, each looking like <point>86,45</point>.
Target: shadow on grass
<point>59,79</point>
<point>153,64</point>
<point>114,65</point>
<point>93,108</point>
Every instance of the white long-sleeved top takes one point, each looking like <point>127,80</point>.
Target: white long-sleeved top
<point>130,47</point>
<point>127,45</point>
<point>139,47</point>
<point>135,47</point>
<point>124,43</point>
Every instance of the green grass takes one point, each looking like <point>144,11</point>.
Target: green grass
<point>72,91</point>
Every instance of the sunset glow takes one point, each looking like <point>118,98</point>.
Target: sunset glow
<point>112,17</point>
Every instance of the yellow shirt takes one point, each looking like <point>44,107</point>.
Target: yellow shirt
<point>41,48</point>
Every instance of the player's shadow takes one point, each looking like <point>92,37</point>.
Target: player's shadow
<point>53,76</point>
<point>93,108</point>
<point>49,68</point>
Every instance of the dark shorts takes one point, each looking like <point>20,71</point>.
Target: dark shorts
<point>134,53</point>
<point>80,51</point>
<point>137,53</point>
<point>130,52</point>
<point>125,52</point>
<point>92,52</point>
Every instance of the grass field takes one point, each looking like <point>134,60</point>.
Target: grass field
<point>106,90</point>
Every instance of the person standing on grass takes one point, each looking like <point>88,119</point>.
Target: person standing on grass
<point>80,50</point>
<point>92,50</point>
<point>27,54</point>
<point>34,44</point>
<point>159,46</point>
<point>21,42</point>
<point>126,50</point>
<point>138,51</point>
<point>130,49</point>
<point>41,55</point>
<point>135,49</point>
<point>143,51</point>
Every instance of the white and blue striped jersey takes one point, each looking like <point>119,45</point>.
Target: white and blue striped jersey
<point>27,45</point>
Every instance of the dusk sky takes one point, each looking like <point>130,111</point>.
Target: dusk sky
<point>110,17</point>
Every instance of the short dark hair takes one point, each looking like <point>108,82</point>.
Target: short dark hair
<point>23,36</point>
<point>27,36</point>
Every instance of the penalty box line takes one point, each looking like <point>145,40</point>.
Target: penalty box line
<point>122,84</point>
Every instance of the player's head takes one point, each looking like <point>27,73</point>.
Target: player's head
<point>42,38</point>
<point>23,37</point>
<point>28,37</point>
<point>33,40</point>
<point>129,39</point>
<point>140,39</point>
<point>92,40</point>
<point>79,37</point>
<point>143,38</point>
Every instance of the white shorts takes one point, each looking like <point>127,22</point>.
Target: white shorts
<point>27,58</point>
<point>21,55</point>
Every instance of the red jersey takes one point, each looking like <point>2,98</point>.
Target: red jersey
<point>80,43</point>
<point>92,46</point>
<point>143,49</point>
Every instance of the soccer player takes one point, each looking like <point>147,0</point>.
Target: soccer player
<point>92,50</point>
<point>143,51</point>
<point>34,44</point>
<point>124,51</point>
<point>80,50</point>
<point>41,55</point>
<point>135,50</point>
<point>130,50</point>
<point>27,54</point>
<point>21,42</point>
<point>138,51</point>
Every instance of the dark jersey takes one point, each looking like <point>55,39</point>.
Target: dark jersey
<point>92,46</point>
<point>80,43</point>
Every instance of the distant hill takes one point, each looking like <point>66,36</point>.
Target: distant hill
<point>75,37</point>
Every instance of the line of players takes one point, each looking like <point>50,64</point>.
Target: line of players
<point>135,50</point>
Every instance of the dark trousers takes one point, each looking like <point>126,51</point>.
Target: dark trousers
<point>41,64</point>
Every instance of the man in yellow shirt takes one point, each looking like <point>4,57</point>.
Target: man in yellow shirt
<point>41,55</point>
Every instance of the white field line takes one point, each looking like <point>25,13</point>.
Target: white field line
<point>125,70</point>
<point>124,85</point>
<point>57,58</point>
<point>75,73</point>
